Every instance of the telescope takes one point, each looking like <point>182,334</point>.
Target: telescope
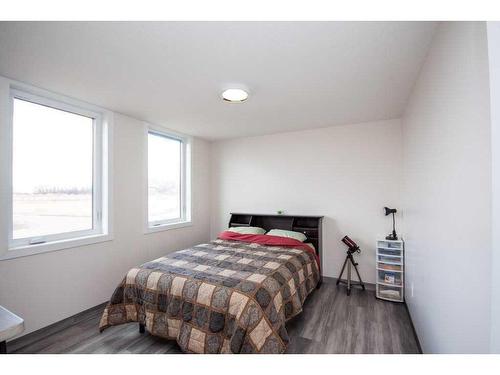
<point>352,247</point>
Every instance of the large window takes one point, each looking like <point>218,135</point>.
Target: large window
<point>167,179</point>
<point>57,156</point>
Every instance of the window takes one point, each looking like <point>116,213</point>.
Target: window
<point>57,166</point>
<point>168,193</point>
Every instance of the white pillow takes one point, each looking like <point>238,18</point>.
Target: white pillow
<point>288,234</point>
<point>247,230</point>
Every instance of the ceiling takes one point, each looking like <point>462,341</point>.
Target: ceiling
<point>300,75</point>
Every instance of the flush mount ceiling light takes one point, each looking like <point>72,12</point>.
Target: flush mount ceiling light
<point>234,95</point>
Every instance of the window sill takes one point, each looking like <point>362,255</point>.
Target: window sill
<point>27,250</point>
<point>163,227</point>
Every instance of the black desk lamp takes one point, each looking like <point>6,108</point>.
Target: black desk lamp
<point>392,211</point>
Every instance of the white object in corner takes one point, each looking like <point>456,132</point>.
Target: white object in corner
<point>390,270</point>
<point>10,326</point>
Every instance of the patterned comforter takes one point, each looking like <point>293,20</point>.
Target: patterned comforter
<point>222,297</point>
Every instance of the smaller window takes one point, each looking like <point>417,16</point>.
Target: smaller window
<point>168,172</point>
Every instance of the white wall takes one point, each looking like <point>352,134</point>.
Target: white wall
<point>447,193</point>
<point>346,173</point>
<point>46,288</point>
<point>494,65</point>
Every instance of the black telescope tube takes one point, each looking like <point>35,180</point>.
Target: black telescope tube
<point>350,243</point>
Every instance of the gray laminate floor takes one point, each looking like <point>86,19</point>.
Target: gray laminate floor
<point>330,323</point>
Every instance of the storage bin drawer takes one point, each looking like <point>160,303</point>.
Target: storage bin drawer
<point>390,293</point>
<point>389,259</point>
<point>390,278</point>
<point>390,253</point>
<point>389,267</point>
<point>390,245</point>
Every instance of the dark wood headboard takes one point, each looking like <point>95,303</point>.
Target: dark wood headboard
<point>311,226</point>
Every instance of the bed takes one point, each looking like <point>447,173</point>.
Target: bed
<point>232,295</point>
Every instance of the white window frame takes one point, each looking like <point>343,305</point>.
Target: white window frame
<point>186,194</point>
<point>101,200</point>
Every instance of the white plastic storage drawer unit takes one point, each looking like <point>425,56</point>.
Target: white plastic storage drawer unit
<point>390,270</point>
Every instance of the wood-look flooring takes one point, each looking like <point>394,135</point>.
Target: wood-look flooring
<point>331,322</point>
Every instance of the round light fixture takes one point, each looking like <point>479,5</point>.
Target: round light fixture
<point>235,95</point>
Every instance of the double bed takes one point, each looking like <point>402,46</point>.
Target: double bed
<point>232,295</point>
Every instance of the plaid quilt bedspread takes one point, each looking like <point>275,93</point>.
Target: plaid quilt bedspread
<point>220,297</point>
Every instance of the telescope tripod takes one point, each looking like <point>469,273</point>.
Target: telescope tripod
<point>349,261</point>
